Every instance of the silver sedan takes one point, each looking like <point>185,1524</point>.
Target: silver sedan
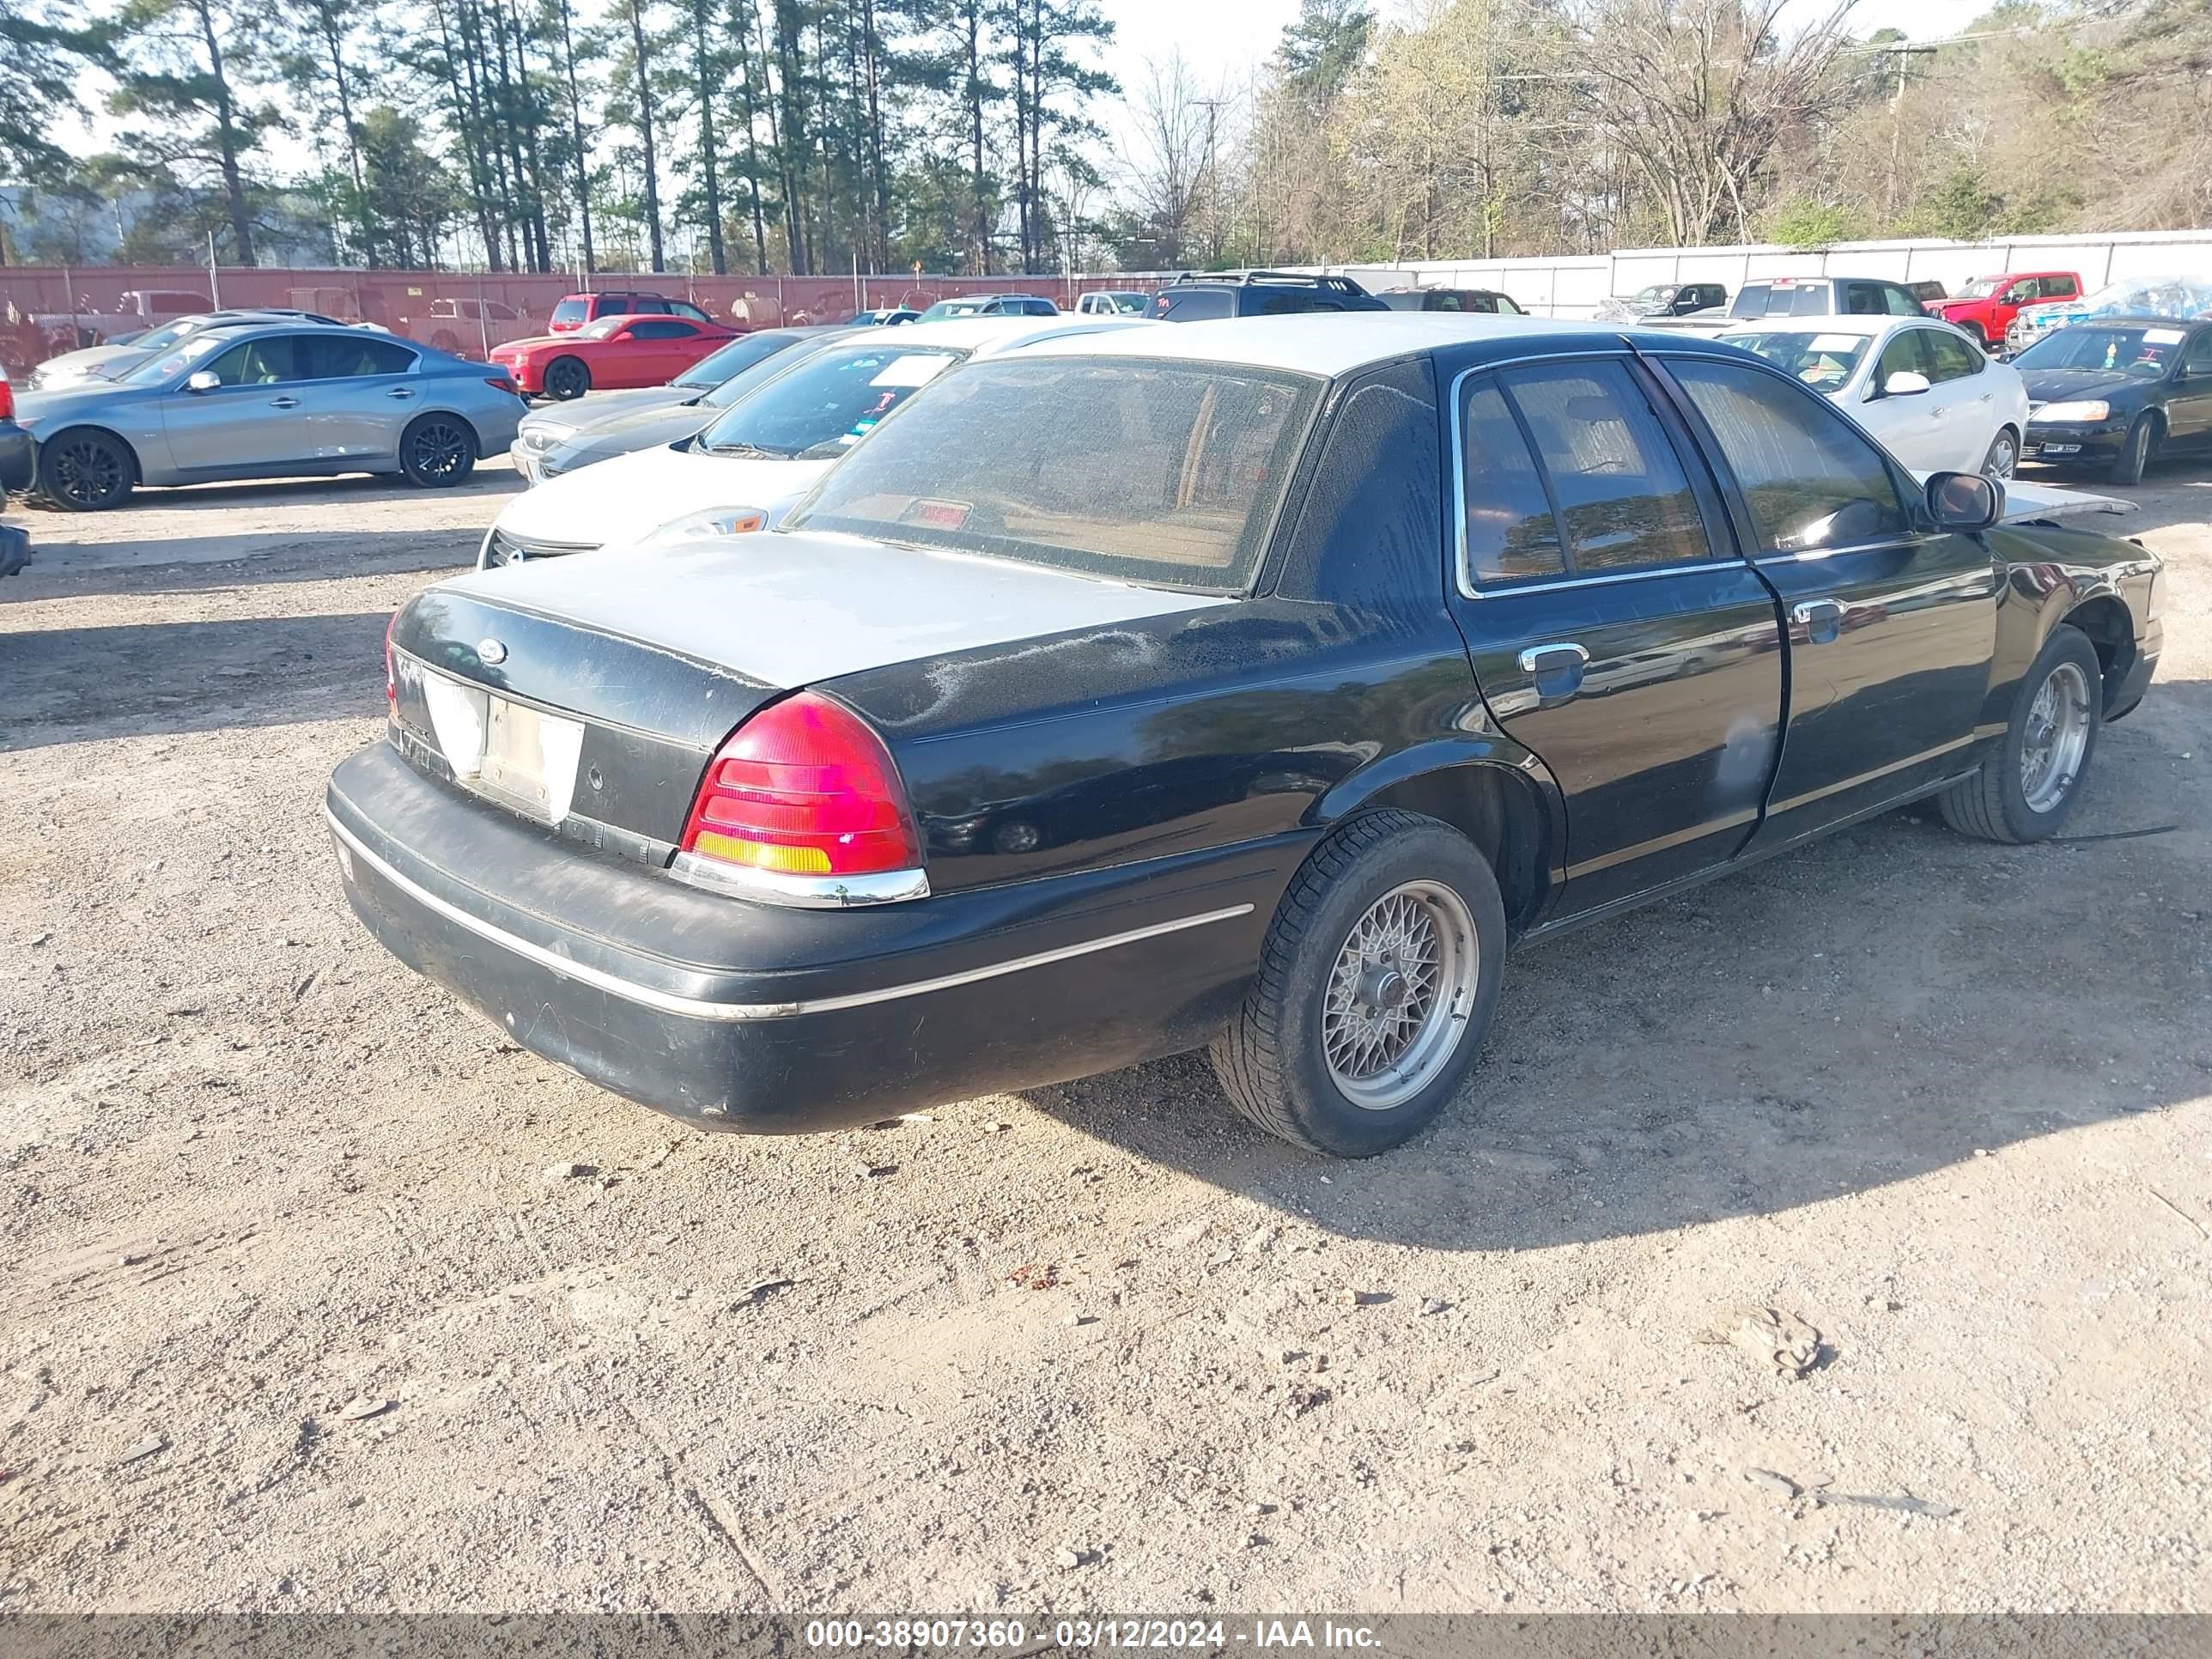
<point>263,401</point>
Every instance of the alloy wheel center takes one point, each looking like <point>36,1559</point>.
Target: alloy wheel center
<point>1383,987</point>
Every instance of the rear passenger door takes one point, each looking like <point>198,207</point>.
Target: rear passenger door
<point>362,392</point>
<point>1892,622</point>
<point>1613,627</point>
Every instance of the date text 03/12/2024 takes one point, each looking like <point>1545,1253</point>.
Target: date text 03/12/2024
<point>953,1635</point>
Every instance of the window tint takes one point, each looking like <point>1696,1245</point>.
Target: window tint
<point>647,303</point>
<point>2197,357</point>
<point>670,330</point>
<point>333,357</point>
<point>2060,287</point>
<point>1509,530</point>
<point>1952,358</point>
<point>1811,479</point>
<point>259,362</point>
<point>614,305</point>
<point>1899,301</point>
<point>1905,354</point>
<point>1190,305</point>
<point>1619,485</point>
<point>1282,305</point>
<point>1863,300</point>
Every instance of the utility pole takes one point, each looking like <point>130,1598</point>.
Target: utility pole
<point>1212,108</point>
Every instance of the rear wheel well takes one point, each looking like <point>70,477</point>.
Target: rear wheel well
<point>1497,810</point>
<point>2111,631</point>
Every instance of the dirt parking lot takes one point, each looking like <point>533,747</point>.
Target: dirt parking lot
<point>316,1293</point>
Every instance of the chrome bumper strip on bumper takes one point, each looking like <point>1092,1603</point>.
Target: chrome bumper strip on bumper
<point>696,1008</point>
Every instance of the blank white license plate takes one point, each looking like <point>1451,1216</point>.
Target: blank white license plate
<point>505,750</point>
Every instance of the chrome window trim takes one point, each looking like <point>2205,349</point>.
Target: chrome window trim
<point>669,1002</point>
<point>1462,577</point>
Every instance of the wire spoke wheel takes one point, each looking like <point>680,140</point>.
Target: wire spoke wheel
<point>2056,738</point>
<point>439,449</point>
<point>1399,996</point>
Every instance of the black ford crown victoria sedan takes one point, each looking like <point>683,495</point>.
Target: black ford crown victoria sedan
<point>1253,683</point>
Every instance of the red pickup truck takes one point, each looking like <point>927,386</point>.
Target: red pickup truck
<point>1985,306</point>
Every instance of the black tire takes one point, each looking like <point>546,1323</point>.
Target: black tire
<point>1273,1059</point>
<point>1993,805</point>
<point>566,379</point>
<point>2003,456</point>
<point>2137,450</point>
<point>437,451</point>
<point>84,470</point>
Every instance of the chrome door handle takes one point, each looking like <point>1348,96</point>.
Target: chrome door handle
<point>1821,619</point>
<point>399,391</point>
<point>283,402</point>
<point>1550,658</point>
<point>1557,670</point>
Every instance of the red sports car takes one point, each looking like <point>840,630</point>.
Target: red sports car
<point>612,353</point>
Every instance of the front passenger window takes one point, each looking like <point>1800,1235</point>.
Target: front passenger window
<point>1812,480</point>
<point>258,362</point>
<point>1952,358</point>
<point>1905,354</point>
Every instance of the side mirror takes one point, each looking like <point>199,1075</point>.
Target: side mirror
<point>202,380</point>
<point>1904,384</point>
<point>1964,501</point>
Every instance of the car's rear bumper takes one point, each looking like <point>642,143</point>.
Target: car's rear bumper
<point>737,1015</point>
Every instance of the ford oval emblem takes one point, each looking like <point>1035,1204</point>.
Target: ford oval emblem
<point>490,651</point>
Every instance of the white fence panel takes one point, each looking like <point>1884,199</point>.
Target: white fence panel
<point>1576,285</point>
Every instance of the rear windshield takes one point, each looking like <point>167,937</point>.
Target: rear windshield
<point>1166,474</point>
<point>827,402</point>
<point>572,311</point>
<point>1798,299</point>
<point>1189,305</point>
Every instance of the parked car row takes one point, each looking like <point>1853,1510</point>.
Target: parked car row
<point>992,702</point>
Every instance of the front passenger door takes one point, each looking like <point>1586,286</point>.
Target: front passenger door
<point>2189,398</point>
<point>253,421</point>
<point>1892,622</point>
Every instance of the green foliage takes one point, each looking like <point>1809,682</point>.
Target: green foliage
<point>1323,47</point>
<point>1801,221</point>
<point>1963,207</point>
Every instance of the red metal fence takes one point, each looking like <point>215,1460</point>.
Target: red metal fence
<point>46,310</point>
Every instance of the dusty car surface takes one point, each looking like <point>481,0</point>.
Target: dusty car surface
<point>1390,641</point>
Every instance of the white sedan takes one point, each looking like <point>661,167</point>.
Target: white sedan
<point>1928,394</point>
<point>762,452</point>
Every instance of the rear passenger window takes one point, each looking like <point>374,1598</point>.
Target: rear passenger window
<point>1510,535</point>
<point>1621,492</point>
<point>1811,479</point>
<point>1862,299</point>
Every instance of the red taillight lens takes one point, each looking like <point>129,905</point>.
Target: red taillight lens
<point>390,674</point>
<point>501,383</point>
<point>804,788</point>
<point>7,398</point>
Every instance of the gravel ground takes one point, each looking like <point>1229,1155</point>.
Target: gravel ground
<point>317,1294</point>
